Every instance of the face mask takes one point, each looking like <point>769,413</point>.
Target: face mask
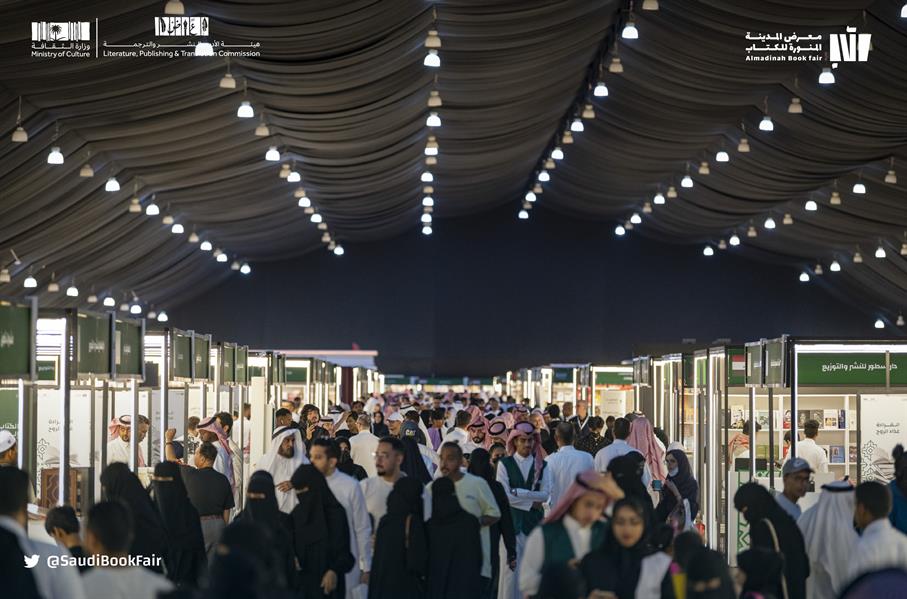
<point>673,471</point>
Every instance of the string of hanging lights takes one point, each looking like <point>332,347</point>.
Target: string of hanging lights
<point>432,61</point>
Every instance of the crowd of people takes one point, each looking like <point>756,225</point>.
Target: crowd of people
<point>447,496</point>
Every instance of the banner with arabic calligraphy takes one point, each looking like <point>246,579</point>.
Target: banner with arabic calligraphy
<point>16,345</point>
<point>850,369</point>
<point>94,344</point>
<point>883,419</point>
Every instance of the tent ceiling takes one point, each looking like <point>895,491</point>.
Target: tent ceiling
<point>343,89</point>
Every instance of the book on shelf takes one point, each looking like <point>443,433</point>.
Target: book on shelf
<point>852,453</point>
<point>802,417</point>
<point>762,419</point>
<point>837,454</point>
<point>787,419</point>
<point>842,418</point>
<point>817,415</point>
<point>737,417</point>
<point>830,418</point>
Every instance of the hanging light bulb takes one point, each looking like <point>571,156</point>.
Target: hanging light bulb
<point>900,320</point>
<point>167,220</point>
<point>110,302</point>
<point>426,218</point>
<point>162,316</point>
<point>262,130</point>
<point>92,299</point>
<point>795,107</point>
<point>245,268</point>
<point>429,201</point>
<point>628,225</point>
<point>708,251</point>
<point>203,48</point>
<point>588,112</point>
<point>529,197</point>
<point>804,277</point>
<point>826,77</point>
<point>647,208</point>
<point>221,257</point>
<point>601,90</point>
<point>245,110</point>
<point>835,199</point>
<point>722,245</point>
<point>434,99</point>
<point>859,188</point>
<point>284,171</point>
<point>234,265</point>
<point>316,218</point>
<point>811,205</point>
<point>615,66</point>
<point>432,59</point>
<point>544,177</point>
<point>650,5</point>
<point>818,270</point>
<point>880,252</point>
<point>557,153</point>
<point>433,120</point>
<point>177,229</point>
<point>112,184</point>
<point>152,209</point>
<point>577,125</point>
<point>294,177</point>
<point>788,219</point>
<point>135,207</point>
<point>619,231</point>
<point>4,275</point>
<point>72,290</point>
<point>30,282</point>
<point>857,257</point>
<point>734,240</point>
<point>152,314</point>
<point>659,198</point>
<point>86,171</point>
<point>835,266</point>
<point>567,138</point>
<point>174,7</point>
<point>722,156</point>
<point>432,40</point>
<point>427,177</point>
<point>206,246</point>
<point>744,145</point>
<point>193,237</point>
<point>53,286</point>
<point>766,124</point>
<point>124,307</point>
<point>20,135</point>
<point>672,192</point>
<point>304,202</point>
<point>522,215</point>
<point>272,155</point>
<point>135,309</point>
<point>891,177</point>
<point>537,189</point>
<point>55,156</point>
<point>635,219</point>
<point>227,81</point>
<point>550,164</point>
<point>431,146</point>
<point>703,170</point>
<point>751,231</point>
<point>687,181</point>
<point>630,31</point>
<point>769,223</point>
<point>904,248</point>
<point>879,323</point>
<point>426,230</point>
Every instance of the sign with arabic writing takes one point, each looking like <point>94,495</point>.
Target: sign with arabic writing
<point>181,355</point>
<point>94,348</point>
<point>753,375</point>
<point>883,422</point>
<point>202,357</point>
<point>129,348</point>
<point>775,363</point>
<point>16,343</point>
<point>850,369</point>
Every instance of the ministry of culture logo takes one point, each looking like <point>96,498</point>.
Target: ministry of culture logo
<point>181,26</point>
<point>850,46</point>
<point>52,31</point>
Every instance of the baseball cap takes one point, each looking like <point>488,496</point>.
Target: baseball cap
<point>395,417</point>
<point>796,465</point>
<point>7,440</point>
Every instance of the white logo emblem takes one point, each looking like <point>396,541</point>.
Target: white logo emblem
<point>49,31</point>
<point>181,26</point>
<point>850,46</point>
<point>7,339</point>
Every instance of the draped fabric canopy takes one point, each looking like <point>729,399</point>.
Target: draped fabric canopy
<point>343,91</point>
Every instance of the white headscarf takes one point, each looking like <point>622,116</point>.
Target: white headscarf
<point>829,535</point>
<point>281,468</point>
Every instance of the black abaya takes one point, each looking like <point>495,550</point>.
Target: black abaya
<point>263,513</point>
<point>627,471</point>
<point>186,559</point>
<point>455,569</point>
<point>400,561</point>
<point>321,536</point>
<point>613,567</point>
<point>150,537</point>
<point>413,465</point>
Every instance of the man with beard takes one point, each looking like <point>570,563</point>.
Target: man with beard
<point>388,458</point>
<point>118,444</point>
<point>287,453</point>
<point>308,424</point>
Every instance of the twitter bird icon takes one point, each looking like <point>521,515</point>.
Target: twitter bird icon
<point>31,561</point>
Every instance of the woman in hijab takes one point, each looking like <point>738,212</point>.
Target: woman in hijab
<point>321,536</point>
<point>627,471</point>
<point>762,569</point>
<point>379,429</point>
<point>346,464</point>
<point>642,437</point>
<point>771,528</point>
<point>455,568</point>
<point>413,465</point>
<point>828,538</point>
<point>261,510</point>
<point>480,465</point>
<point>400,562</point>
<point>679,483</point>
<point>616,564</point>
<point>708,577</point>
<point>187,561</point>
<point>119,483</point>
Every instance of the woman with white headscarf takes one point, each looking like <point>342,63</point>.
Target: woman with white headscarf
<point>829,537</point>
<point>286,454</point>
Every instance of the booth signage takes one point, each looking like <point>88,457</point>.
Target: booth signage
<point>181,356</point>
<point>850,369</point>
<point>202,357</point>
<point>128,348</point>
<point>282,369</point>
<point>613,378</point>
<point>561,375</point>
<point>883,422</point>
<point>16,344</point>
<point>754,365</point>
<point>242,365</point>
<point>228,359</point>
<point>9,410</point>
<point>47,369</point>
<point>736,367</point>
<point>688,369</point>
<point>297,374</point>
<point>702,363</point>
<point>775,363</point>
<point>94,344</point>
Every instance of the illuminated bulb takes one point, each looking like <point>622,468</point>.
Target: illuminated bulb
<point>635,219</point>
<point>245,110</point>
<point>174,7</point>
<point>567,138</point>
<point>859,188</point>
<point>722,156</point>
<point>659,198</point>
<point>544,177</point>
<point>426,218</point>
<point>304,202</point>
<point>110,302</point>
<point>427,177</point>
<point>227,81</point>
<point>788,219</point>
<point>55,156</point>
<point>557,154</point>
<point>428,201</point>
<point>432,59</point>
<point>176,229</point>
<point>734,240</point>
<point>124,307</point>
<point>891,177</point>
<point>262,130</point>
<point>615,66</point>
<point>316,218</point>
<point>20,135</point>
<point>744,145</point>
<point>751,231</point>
<point>857,258</point>
<point>284,171</point>
<point>222,258</point>
<point>826,77</point>
<point>530,197</point>
<point>134,206</point>
<point>619,231</point>
<point>835,266</point>
<point>879,324</point>
<point>880,252</point>
<point>769,223</point>
<point>795,107</point>
<point>804,277</point>
<point>588,112</point>
<point>431,146</point>
<point>234,265</point>
<point>811,205</point>
<point>426,230</point>
<point>204,49</point>
<point>152,209</point>
<point>766,124</point>
<point>434,99</point>
<point>72,291</point>
<point>630,32</point>
<point>703,170</point>
<point>112,184</point>
<point>522,215</point>
<point>86,171</point>
<point>167,220</point>
<point>577,126</point>
<point>708,251</point>
<point>818,270</point>
<point>687,181</point>
<point>162,316</point>
<point>135,309</point>
<point>722,245</point>
<point>245,268</point>
<point>647,208</point>
<point>205,246</point>
<point>835,199</point>
<point>152,314</point>
<point>900,321</point>
<point>272,155</point>
<point>92,299</point>
<point>601,90</point>
<point>294,177</point>
<point>433,120</point>
<point>193,237</point>
<point>672,192</point>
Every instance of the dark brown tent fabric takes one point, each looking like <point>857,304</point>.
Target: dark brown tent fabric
<point>343,89</point>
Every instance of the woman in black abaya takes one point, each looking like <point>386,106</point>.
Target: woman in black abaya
<point>681,476</point>
<point>119,483</point>
<point>627,471</point>
<point>616,565</point>
<point>321,537</point>
<point>413,465</point>
<point>261,511</point>
<point>455,569</point>
<point>400,561</point>
<point>187,562</point>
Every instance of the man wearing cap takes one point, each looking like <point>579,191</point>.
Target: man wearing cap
<point>394,421</point>
<point>9,456</point>
<point>796,475</point>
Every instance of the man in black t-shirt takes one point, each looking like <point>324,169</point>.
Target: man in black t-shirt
<point>210,493</point>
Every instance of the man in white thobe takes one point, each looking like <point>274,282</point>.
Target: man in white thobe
<point>286,454</point>
<point>364,444</point>
<point>619,448</point>
<point>566,463</point>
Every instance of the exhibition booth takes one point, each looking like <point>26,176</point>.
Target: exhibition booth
<point>612,390</point>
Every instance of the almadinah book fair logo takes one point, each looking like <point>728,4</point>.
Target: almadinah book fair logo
<point>850,46</point>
